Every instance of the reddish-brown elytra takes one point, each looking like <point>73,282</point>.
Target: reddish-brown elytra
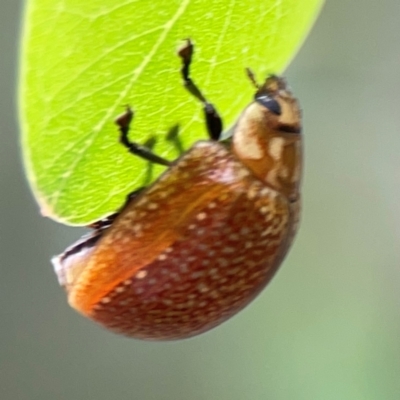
<point>196,246</point>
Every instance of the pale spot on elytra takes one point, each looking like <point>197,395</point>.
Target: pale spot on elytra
<point>264,210</point>
<point>152,206</point>
<point>201,216</point>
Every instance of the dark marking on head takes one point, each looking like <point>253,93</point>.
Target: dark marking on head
<point>269,103</point>
<point>289,128</point>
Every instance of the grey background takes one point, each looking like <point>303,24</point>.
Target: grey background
<point>326,328</point>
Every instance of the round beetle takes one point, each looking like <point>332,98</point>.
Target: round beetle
<point>201,242</point>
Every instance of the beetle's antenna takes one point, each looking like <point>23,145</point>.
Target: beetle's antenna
<point>251,75</point>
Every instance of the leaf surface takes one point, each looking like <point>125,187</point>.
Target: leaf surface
<point>83,61</point>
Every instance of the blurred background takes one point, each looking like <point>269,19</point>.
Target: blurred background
<point>327,327</point>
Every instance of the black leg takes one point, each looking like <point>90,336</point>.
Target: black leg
<point>123,122</point>
<point>106,222</point>
<point>212,118</point>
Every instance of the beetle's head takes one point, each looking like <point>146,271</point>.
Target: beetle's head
<point>267,136</point>
<point>281,108</point>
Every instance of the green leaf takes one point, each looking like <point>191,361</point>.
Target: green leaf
<point>83,61</point>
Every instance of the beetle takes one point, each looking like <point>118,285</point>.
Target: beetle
<point>199,244</point>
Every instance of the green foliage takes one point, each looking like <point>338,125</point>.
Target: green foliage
<point>83,60</point>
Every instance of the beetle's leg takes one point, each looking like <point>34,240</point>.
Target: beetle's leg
<point>123,122</point>
<point>106,222</point>
<point>212,118</point>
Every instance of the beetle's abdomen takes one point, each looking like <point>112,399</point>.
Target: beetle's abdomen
<point>225,256</point>
<point>191,251</point>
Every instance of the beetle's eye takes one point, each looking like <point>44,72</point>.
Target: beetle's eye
<point>269,103</point>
